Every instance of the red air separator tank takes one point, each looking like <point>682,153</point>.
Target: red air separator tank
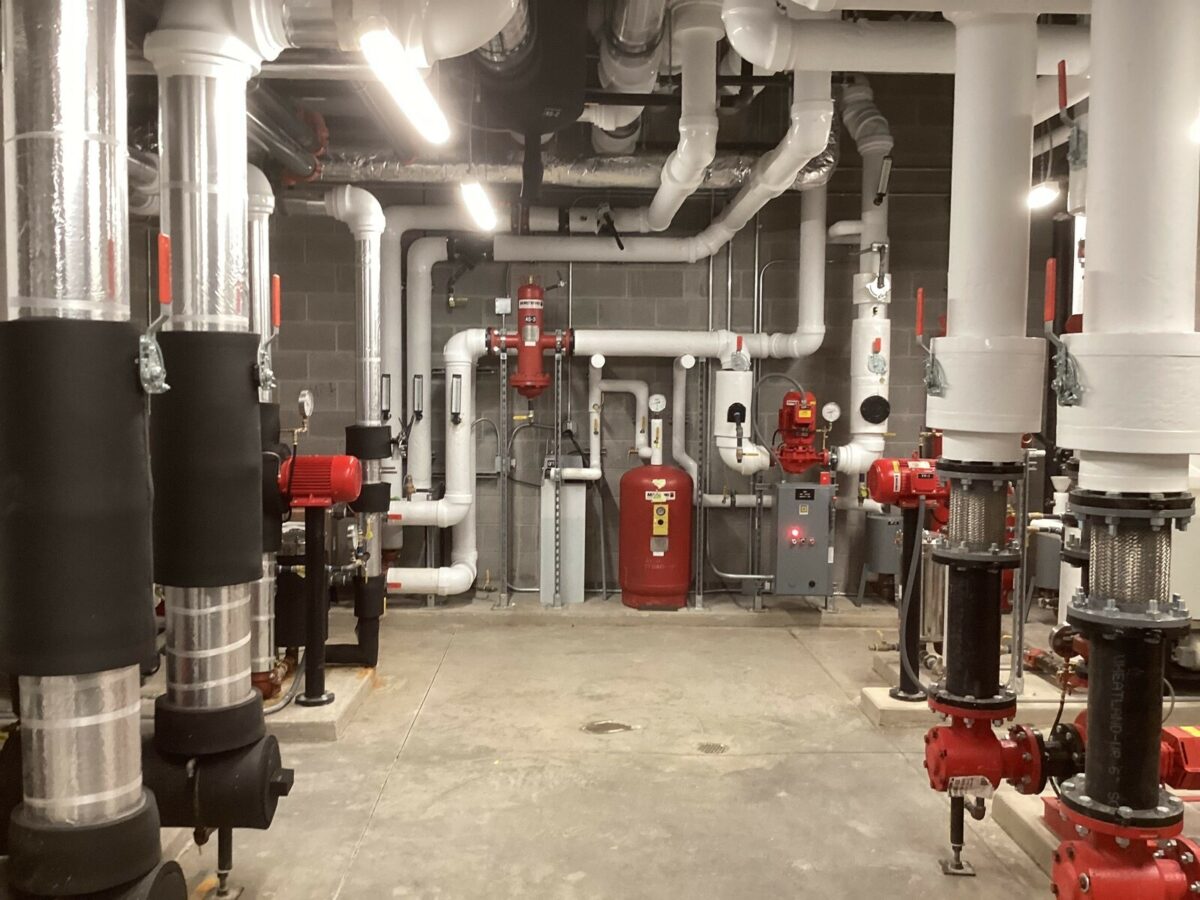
<point>656,537</point>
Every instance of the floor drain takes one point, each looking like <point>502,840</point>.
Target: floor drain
<point>606,726</point>
<point>711,748</point>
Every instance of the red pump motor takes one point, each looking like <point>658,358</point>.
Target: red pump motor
<point>798,432</point>
<point>903,482</point>
<point>656,537</point>
<point>320,481</point>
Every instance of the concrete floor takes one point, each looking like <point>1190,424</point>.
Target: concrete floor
<point>747,770</point>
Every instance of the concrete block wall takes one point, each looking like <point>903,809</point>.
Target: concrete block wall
<point>315,257</point>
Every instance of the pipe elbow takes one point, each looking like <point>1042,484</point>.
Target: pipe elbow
<point>465,347</point>
<point>423,254</point>
<point>758,32</point>
<point>260,198</point>
<point>856,457</point>
<point>356,207</point>
<point>796,345</point>
<point>752,458</point>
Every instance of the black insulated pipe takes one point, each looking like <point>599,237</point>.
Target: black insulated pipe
<point>316,587</point>
<point>1125,689</point>
<point>973,629</point>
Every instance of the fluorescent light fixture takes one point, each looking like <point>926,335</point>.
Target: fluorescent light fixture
<point>1043,194</point>
<point>399,74</point>
<point>479,205</point>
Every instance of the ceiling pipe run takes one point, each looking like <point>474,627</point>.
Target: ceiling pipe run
<point>768,38</point>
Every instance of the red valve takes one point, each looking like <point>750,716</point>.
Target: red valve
<point>877,345</point>
<point>1062,85</point>
<point>920,312</point>
<point>276,302</point>
<point>320,481</point>
<point>1051,291</point>
<point>164,269</point>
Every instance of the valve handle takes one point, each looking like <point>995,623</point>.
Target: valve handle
<point>164,270</point>
<point>1062,85</point>
<point>920,312</point>
<point>1051,291</point>
<point>276,300</point>
<point>877,345</point>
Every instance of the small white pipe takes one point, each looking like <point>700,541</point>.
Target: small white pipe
<point>679,419</point>
<point>768,38</point>
<point>641,395</point>
<point>736,501</point>
<point>597,388</point>
<point>734,389</point>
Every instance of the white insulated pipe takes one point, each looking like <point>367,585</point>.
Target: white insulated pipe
<point>1139,360</point>
<point>630,55</point>
<point>461,354</point>
<point>679,419</point>
<point>765,36</point>
<point>598,386</point>
<point>733,396</point>
<point>871,330</point>
<point>423,255</point>
<point>994,374</point>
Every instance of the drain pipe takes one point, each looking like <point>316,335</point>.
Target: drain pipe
<point>871,331</point>
<point>1139,354</point>
<point>76,626</point>
<point>264,321</point>
<point>992,388</point>
<point>369,438</point>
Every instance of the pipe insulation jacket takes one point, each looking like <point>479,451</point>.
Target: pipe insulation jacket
<point>1139,356</point>
<point>993,373</point>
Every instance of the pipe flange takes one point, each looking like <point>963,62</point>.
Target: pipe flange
<point>1110,508</point>
<point>1098,612</point>
<point>961,557</point>
<point>961,470</point>
<point>1074,796</point>
<point>1001,706</point>
<point>1075,554</point>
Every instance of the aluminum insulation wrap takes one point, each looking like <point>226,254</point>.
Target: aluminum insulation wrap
<point>204,200</point>
<point>262,615</point>
<point>66,202</point>
<point>86,731</point>
<point>208,645</point>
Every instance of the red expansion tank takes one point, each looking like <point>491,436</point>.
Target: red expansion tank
<point>656,537</point>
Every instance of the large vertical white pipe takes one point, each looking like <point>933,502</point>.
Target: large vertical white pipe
<point>994,374</point>
<point>1139,360</point>
<point>423,255</point>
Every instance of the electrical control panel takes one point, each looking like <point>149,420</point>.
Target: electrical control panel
<point>804,539</point>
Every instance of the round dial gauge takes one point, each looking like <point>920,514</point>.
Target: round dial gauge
<point>831,412</point>
<point>305,404</point>
<point>657,403</point>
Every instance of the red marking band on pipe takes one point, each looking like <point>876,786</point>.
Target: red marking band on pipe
<point>920,312</point>
<point>276,302</point>
<point>1062,84</point>
<point>1051,290</point>
<point>164,270</point>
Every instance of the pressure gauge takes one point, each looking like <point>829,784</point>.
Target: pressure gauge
<point>831,412</point>
<point>305,404</point>
<point>657,403</point>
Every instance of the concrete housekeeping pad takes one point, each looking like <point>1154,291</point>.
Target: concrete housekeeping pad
<point>350,688</point>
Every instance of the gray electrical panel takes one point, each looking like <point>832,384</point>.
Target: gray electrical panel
<point>804,539</point>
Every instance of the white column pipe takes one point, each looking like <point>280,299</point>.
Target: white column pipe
<point>761,33</point>
<point>423,254</point>
<point>872,135</point>
<point>1139,360</point>
<point>695,30</point>
<point>260,204</point>
<point>989,247</point>
<point>679,419</point>
<point>457,508</point>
